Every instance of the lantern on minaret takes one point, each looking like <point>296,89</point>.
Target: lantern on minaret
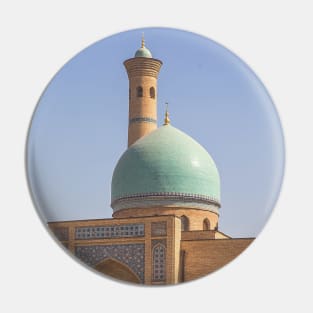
<point>143,71</point>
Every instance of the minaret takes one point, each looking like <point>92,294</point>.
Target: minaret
<point>142,73</point>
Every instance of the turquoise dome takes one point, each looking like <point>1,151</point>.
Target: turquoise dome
<point>164,165</point>
<point>143,52</point>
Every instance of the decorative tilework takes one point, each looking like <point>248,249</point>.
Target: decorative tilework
<point>113,231</point>
<point>142,119</point>
<point>159,260</point>
<point>156,241</point>
<point>174,199</point>
<point>170,195</point>
<point>158,228</point>
<point>147,203</point>
<point>61,233</point>
<point>130,254</point>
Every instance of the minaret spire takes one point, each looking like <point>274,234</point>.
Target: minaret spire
<point>167,120</point>
<point>143,73</point>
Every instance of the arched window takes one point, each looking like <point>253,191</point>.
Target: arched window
<point>159,262</point>
<point>139,92</point>
<point>184,223</point>
<point>152,92</point>
<point>206,224</point>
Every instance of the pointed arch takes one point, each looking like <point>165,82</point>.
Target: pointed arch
<point>139,92</point>
<point>152,92</point>
<point>184,223</point>
<point>118,270</point>
<point>206,224</point>
<point>159,264</point>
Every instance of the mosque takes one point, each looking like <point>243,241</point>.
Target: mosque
<point>165,196</point>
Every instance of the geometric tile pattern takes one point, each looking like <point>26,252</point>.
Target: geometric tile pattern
<point>159,262</point>
<point>61,233</point>
<point>158,228</point>
<point>130,254</point>
<point>187,197</point>
<point>113,231</point>
<point>142,119</point>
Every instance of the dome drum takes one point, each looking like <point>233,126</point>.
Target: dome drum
<point>194,218</point>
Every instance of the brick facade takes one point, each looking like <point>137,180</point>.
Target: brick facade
<point>124,247</point>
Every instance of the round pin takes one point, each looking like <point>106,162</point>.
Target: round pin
<point>155,156</point>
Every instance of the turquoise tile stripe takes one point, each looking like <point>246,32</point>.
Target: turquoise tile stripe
<point>142,120</point>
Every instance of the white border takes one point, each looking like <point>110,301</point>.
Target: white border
<point>274,38</point>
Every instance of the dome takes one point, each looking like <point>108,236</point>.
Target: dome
<point>143,52</point>
<point>165,168</point>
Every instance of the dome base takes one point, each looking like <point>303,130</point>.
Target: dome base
<point>166,199</point>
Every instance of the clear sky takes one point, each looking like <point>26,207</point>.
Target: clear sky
<point>79,129</point>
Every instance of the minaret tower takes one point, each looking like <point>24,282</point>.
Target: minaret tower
<point>142,73</point>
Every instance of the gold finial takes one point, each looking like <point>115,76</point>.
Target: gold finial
<point>167,118</point>
<point>142,40</point>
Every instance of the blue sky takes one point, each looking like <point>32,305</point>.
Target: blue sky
<point>79,129</point>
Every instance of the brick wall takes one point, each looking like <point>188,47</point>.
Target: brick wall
<point>203,257</point>
<point>195,216</point>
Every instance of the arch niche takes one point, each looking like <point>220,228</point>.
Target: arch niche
<point>206,224</point>
<point>184,223</point>
<point>118,270</point>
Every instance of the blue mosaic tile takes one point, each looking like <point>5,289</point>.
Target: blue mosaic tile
<point>111,231</point>
<point>142,120</point>
<point>130,254</point>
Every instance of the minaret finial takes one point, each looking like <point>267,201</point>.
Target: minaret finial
<point>142,40</point>
<point>167,118</point>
